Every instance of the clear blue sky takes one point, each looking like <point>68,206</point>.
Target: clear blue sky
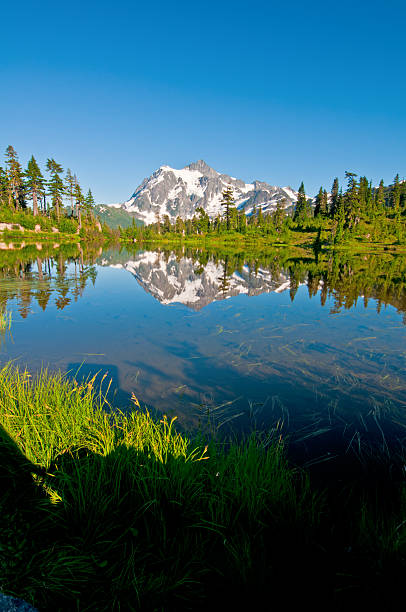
<point>277,91</point>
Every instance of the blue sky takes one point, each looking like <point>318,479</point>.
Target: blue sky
<point>280,92</point>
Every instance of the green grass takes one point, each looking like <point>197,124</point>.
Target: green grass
<point>5,320</point>
<point>102,510</point>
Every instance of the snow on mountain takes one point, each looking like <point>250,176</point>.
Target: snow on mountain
<point>172,280</point>
<point>176,193</point>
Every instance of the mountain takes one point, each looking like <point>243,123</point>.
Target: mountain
<point>179,192</point>
<point>171,279</point>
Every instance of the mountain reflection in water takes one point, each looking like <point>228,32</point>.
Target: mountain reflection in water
<point>196,278</point>
<point>277,335</point>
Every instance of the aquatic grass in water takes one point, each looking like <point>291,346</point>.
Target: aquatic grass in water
<point>122,511</point>
<point>5,320</point>
<point>109,511</point>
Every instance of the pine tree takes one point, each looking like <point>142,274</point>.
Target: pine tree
<point>324,208</point>
<point>228,203</point>
<point>70,182</point>
<point>395,196</point>
<point>302,210</point>
<point>79,202</point>
<point>403,195</point>
<point>380,200</point>
<point>334,197</point>
<point>319,203</point>
<point>370,201</point>
<point>351,201</point>
<point>279,214</point>
<point>260,221</point>
<point>89,203</point>
<point>34,184</point>
<point>179,225</point>
<point>363,195</point>
<point>55,185</point>
<point>3,187</point>
<point>15,179</point>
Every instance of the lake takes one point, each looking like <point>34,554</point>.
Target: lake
<point>225,339</point>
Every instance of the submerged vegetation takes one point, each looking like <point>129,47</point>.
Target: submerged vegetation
<point>358,218</point>
<point>5,320</point>
<point>102,510</point>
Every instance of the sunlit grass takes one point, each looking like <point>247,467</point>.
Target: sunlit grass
<point>105,510</point>
<point>131,509</point>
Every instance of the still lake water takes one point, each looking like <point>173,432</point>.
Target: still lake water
<point>311,341</point>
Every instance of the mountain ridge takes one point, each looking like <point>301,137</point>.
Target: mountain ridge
<point>179,192</point>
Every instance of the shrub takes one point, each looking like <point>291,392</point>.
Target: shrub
<point>67,225</point>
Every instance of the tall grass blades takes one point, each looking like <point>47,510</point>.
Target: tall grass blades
<point>105,510</point>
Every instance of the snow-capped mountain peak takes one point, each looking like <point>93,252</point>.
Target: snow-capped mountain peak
<point>172,192</point>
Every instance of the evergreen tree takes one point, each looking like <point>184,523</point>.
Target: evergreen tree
<point>202,220</point>
<point>363,192</point>
<point>242,222</point>
<point>395,196</point>
<point>279,215</point>
<point>34,184</point>
<point>55,185</point>
<point>167,224</point>
<point>319,203</point>
<point>70,182</point>
<point>324,207</point>
<point>79,202</point>
<point>15,179</point>
<point>179,225</point>
<point>228,203</point>
<point>260,221</point>
<point>403,195</point>
<point>89,204</point>
<point>334,198</point>
<point>3,187</point>
<point>302,210</point>
<point>351,201</point>
<point>370,205</point>
<point>380,200</point>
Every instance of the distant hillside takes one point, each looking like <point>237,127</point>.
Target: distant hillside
<point>115,216</point>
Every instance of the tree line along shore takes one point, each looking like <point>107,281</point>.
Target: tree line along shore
<point>38,207</point>
<point>356,216</point>
<point>359,216</point>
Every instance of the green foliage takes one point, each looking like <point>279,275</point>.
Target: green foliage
<point>187,514</point>
<point>35,184</point>
<point>229,208</point>
<point>67,225</point>
<point>55,185</point>
<point>302,210</point>
<point>105,511</point>
<point>16,186</point>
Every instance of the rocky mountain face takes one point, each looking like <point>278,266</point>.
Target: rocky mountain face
<point>179,192</point>
<point>172,280</point>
